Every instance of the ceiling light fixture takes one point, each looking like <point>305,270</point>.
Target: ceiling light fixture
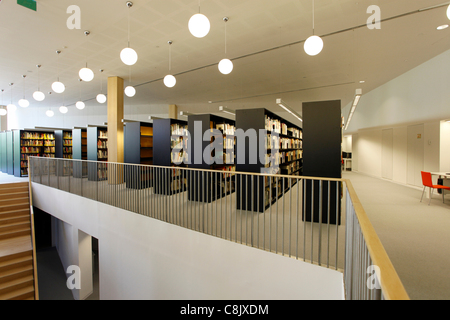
<point>448,12</point>
<point>11,106</point>
<point>353,107</point>
<point>199,25</point>
<point>129,55</point>
<point>80,104</point>
<point>58,86</point>
<point>284,105</point>
<point>170,81</point>
<point>130,91</point>
<point>226,110</point>
<point>101,98</point>
<point>63,109</point>
<point>225,65</point>
<point>49,113</point>
<point>39,95</point>
<point>86,74</point>
<point>24,103</point>
<point>444,26</point>
<point>314,44</point>
<point>186,114</point>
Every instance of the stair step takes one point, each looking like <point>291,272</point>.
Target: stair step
<point>8,202</point>
<point>21,294</point>
<point>17,275</point>
<point>27,253</point>
<point>16,284</point>
<point>14,227</point>
<point>15,213</point>
<point>14,194</point>
<point>15,219</point>
<point>6,186</point>
<point>15,234</point>
<point>10,266</point>
<point>14,207</point>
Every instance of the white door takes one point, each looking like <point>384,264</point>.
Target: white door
<point>415,154</point>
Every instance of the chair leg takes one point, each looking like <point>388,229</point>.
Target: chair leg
<point>423,193</point>
<point>431,195</point>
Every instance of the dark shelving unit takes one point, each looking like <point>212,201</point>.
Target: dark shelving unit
<point>30,143</point>
<point>167,135</point>
<point>79,152</point>
<point>138,149</point>
<point>3,153</point>
<point>97,150</point>
<point>214,186</point>
<point>322,144</point>
<point>258,192</point>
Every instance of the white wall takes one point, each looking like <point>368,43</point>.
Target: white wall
<point>143,258</point>
<point>420,96</point>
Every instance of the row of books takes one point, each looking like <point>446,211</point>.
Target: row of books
<point>275,125</point>
<point>178,129</point>
<point>49,150</point>
<point>103,134</point>
<point>290,168</point>
<point>67,135</point>
<point>226,128</point>
<point>102,154</point>
<point>179,156</point>
<point>67,142</point>
<point>36,143</point>
<point>102,144</point>
<point>178,142</point>
<point>38,136</point>
<point>67,150</point>
<point>276,142</point>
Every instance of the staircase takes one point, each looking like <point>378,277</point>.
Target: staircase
<point>17,274</point>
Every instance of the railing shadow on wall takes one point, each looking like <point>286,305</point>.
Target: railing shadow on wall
<point>317,220</point>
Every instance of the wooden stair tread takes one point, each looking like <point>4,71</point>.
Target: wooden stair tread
<point>13,185</point>
<point>18,294</point>
<point>16,282</point>
<point>15,245</point>
<point>16,259</point>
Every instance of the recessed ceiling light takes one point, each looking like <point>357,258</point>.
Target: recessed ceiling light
<point>445,26</point>
<point>362,81</point>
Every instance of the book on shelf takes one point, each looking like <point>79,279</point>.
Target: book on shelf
<point>103,134</point>
<point>102,154</point>
<point>102,144</point>
<point>179,129</point>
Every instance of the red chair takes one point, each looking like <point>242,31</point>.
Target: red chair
<point>428,182</point>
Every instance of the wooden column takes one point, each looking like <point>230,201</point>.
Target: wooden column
<point>115,128</point>
<point>173,111</point>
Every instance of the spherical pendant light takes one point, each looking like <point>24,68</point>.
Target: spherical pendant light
<point>80,105</point>
<point>49,113</point>
<point>448,12</point>
<point>225,66</point>
<point>38,96</point>
<point>58,87</point>
<point>86,74</point>
<point>130,91</point>
<point>63,109</point>
<point>313,45</point>
<point>101,98</point>
<point>199,25</point>
<point>24,103</point>
<point>128,56</point>
<point>3,112</point>
<point>11,107</point>
<point>170,81</point>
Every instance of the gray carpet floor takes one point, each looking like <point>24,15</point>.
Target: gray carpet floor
<point>415,236</point>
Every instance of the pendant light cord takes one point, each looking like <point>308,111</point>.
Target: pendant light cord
<point>170,56</point>
<point>313,7</point>
<point>225,38</point>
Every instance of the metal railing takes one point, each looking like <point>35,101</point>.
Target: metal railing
<point>300,217</point>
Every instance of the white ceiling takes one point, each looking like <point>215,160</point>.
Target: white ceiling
<point>265,41</point>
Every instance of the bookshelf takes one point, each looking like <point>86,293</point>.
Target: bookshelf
<point>221,132</point>
<point>31,143</point>
<point>138,149</point>
<point>283,154</point>
<point>63,144</point>
<point>170,142</point>
<point>322,159</point>
<point>79,151</point>
<point>97,150</point>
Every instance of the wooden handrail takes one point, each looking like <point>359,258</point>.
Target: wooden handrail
<point>391,284</point>
<point>33,241</point>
